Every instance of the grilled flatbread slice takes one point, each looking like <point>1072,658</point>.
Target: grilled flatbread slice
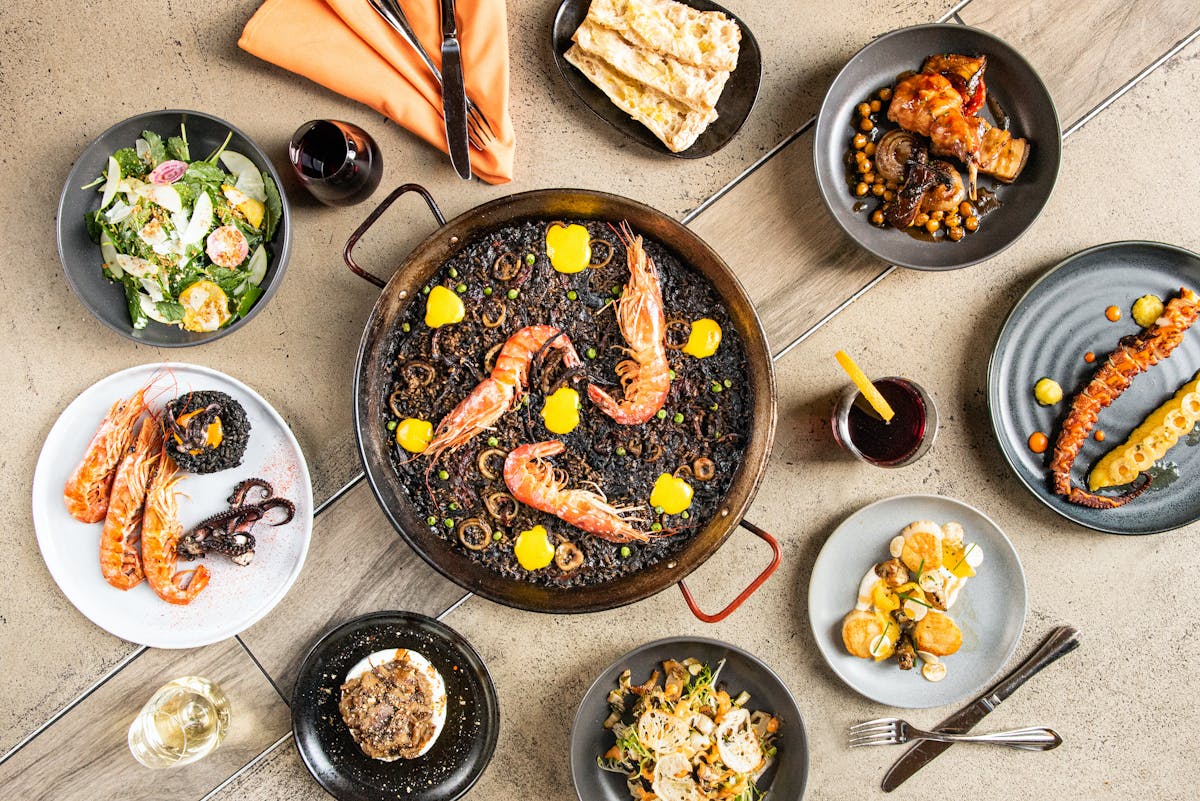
<point>676,125</point>
<point>706,39</point>
<point>695,87</point>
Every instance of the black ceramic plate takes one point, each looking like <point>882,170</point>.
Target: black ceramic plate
<point>460,754</point>
<point>81,256</point>
<point>1010,80</point>
<point>1048,332</point>
<point>742,671</point>
<point>733,107</point>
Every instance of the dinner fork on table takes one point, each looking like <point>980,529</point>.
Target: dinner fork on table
<point>480,131</point>
<point>893,731</point>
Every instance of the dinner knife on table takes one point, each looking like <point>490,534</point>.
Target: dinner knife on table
<point>454,94</point>
<point>1060,641</point>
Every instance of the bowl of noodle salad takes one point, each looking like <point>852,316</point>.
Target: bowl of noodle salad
<point>707,722</point>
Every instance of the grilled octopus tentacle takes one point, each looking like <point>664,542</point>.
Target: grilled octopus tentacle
<point>1134,354</point>
<point>242,490</point>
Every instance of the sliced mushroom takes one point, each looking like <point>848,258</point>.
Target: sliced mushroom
<point>568,557</point>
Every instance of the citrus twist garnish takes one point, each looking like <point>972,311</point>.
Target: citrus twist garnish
<point>868,390</point>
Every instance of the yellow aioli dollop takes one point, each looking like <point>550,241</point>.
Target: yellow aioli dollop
<point>569,248</point>
<point>414,435</point>
<point>533,548</point>
<point>561,411</point>
<point>672,494</point>
<point>443,307</point>
<point>704,339</point>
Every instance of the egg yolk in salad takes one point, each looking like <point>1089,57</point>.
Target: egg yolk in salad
<point>569,248</point>
<point>414,435</point>
<point>671,494</point>
<point>443,307</point>
<point>561,411</point>
<point>704,339</point>
<point>205,307</point>
<point>533,549</point>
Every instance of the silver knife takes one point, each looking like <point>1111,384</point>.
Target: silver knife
<point>1058,642</point>
<point>454,94</point>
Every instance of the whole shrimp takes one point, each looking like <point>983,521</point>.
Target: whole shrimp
<point>498,393</point>
<point>88,488</point>
<point>120,552</point>
<point>536,483</point>
<point>161,530</point>
<point>646,375</point>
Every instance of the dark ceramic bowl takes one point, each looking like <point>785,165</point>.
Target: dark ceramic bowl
<point>81,256</point>
<point>1010,80</point>
<point>743,671</point>
<point>733,107</point>
<point>1047,333</point>
<point>459,756</point>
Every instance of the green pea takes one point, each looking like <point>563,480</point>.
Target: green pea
<point>716,386</point>
<point>616,290</point>
<point>658,510</point>
<point>620,451</point>
<point>672,374</point>
<point>453,506</point>
<point>391,425</point>
<point>727,383</point>
<point>530,258</point>
<point>499,535</point>
<point>424,290</point>
<point>443,475</point>
<point>656,527</point>
<point>677,418</point>
<point>572,295</point>
<point>590,353</point>
<point>661,414</point>
<point>461,288</point>
<point>448,523</point>
<point>487,290</point>
<point>406,328</point>
<point>453,273</point>
<point>685,514</point>
<point>714,407</point>
<point>492,442</point>
<point>625,551</point>
<point>512,294</point>
<point>431,520</point>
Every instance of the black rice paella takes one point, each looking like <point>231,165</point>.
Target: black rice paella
<point>440,353</point>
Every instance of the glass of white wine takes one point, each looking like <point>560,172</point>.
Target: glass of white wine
<point>183,722</point>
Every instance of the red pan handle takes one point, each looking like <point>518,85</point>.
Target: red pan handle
<point>777,555</point>
<point>348,255</point>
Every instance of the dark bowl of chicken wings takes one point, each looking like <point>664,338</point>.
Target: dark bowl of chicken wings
<point>937,147</point>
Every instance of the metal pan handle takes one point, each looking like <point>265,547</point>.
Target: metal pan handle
<point>777,555</point>
<point>348,254</point>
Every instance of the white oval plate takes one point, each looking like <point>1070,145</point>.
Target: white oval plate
<point>990,610</point>
<point>236,597</point>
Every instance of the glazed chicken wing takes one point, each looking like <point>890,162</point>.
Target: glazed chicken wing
<point>928,104</point>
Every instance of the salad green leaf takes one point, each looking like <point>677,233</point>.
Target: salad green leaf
<point>170,310</point>
<point>158,151</point>
<point>129,162</point>
<point>248,299</point>
<point>94,222</point>
<point>134,298</point>
<point>177,148</point>
<point>204,172</point>
<point>274,208</point>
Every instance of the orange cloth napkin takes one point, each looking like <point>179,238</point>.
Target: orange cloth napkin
<point>345,46</point>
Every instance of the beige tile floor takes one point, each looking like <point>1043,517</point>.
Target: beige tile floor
<point>1134,673</point>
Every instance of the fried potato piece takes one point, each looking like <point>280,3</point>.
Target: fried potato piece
<point>859,630</point>
<point>938,634</point>
<point>922,551</point>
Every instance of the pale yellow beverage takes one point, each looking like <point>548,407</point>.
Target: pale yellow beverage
<point>182,722</point>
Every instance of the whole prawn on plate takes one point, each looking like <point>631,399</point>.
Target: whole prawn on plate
<point>1134,354</point>
<point>120,545</point>
<point>87,491</point>
<point>161,531</point>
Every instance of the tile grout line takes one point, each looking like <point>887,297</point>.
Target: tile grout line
<point>262,670</point>
<point>338,494</point>
<point>117,668</point>
<point>841,307</point>
<point>261,756</point>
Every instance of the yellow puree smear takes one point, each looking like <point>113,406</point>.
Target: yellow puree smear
<point>704,339</point>
<point>561,412</point>
<point>533,548</point>
<point>443,307</point>
<point>569,248</point>
<point>414,435</point>
<point>671,493</point>
<point>1047,391</point>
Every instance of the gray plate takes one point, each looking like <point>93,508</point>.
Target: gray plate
<point>743,671</point>
<point>733,106</point>
<point>1047,333</point>
<point>81,256</point>
<point>1010,79</point>
<point>990,610</point>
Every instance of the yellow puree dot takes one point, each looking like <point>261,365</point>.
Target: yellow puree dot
<point>443,307</point>
<point>671,493</point>
<point>533,548</point>
<point>561,411</point>
<point>569,248</point>
<point>414,435</point>
<point>704,339</point>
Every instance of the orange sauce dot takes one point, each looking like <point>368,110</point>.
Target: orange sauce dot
<point>1099,436</point>
<point>1038,442</point>
<point>1113,313</point>
<point>1089,357</point>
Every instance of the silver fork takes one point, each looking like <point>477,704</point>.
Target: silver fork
<point>892,731</point>
<point>480,131</point>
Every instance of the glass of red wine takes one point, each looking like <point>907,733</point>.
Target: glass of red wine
<point>905,438</point>
<point>337,161</point>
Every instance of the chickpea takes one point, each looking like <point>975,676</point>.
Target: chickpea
<point>971,223</point>
<point>937,215</point>
<point>955,234</point>
<point>888,195</point>
<point>866,124</point>
<point>892,185</point>
<point>869,149</point>
<point>864,109</point>
<point>869,177</point>
<point>865,165</point>
<point>877,190</point>
<point>860,156</point>
<point>953,220</point>
<point>932,226</point>
<point>885,93</point>
<point>965,209</point>
<point>860,141</point>
<point>861,189</point>
<point>877,217</point>
<point>876,106</point>
<point>921,220</point>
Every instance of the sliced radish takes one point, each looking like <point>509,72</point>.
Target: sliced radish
<point>168,172</point>
<point>110,184</point>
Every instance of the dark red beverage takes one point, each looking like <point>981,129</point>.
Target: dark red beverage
<point>900,441</point>
<point>337,161</point>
